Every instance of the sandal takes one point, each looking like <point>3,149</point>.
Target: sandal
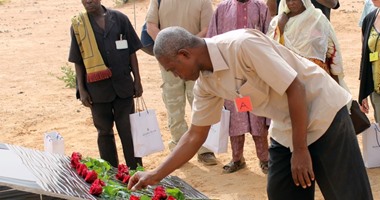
<point>264,166</point>
<point>234,166</point>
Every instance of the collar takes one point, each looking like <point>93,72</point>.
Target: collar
<point>216,57</point>
<point>238,2</point>
<point>109,20</point>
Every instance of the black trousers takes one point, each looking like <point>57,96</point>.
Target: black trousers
<point>337,163</point>
<point>104,115</point>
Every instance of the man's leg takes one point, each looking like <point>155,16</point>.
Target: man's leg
<point>174,92</point>
<point>103,120</point>
<point>122,109</point>
<point>280,182</point>
<point>237,146</point>
<point>239,125</point>
<point>262,153</point>
<point>338,164</point>
<point>173,95</point>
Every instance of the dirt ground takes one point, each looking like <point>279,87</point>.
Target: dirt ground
<point>34,45</point>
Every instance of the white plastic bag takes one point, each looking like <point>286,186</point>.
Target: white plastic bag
<point>54,143</point>
<point>371,146</point>
<point>146,133</point>
<point>217,139</point>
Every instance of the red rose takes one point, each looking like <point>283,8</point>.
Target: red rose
<point>76,155</point>
<point>120,176</point>
<point>99,182</point>
<point>91,176</point>
<point>134,198</point>
<point>159,189</point>
<point>74,163</point>
<point>79,168</point>
<point>126,179</point>
<point>122,168</point>
<point>75,159</point>
<point>96,188</point>
<point>82,170</point>
<point>159,193</point>
<point>171,198</point>
<point>122,173</point>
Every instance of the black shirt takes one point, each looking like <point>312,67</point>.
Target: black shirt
<point>118,60</point>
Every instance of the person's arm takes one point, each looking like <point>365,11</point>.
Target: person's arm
<point>213,26</point>
<point>206,15</point>
<point>83,93</point>
<point>203,32</point>
<point>328,3</point>
<point>334,57</point>
<point>301,164</point>
<point>272,5</point>
<point>186,148</point>
<point>152,29</point>
<point>136,75</point>
<point>283,19</point>
<point>267,18</point>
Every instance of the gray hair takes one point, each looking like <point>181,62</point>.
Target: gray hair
<point>170,40</point>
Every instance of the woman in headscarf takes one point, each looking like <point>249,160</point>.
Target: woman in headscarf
<point>306,31</point>
<point>370,64</point>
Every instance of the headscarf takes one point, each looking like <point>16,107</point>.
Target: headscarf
<point>307,33</point>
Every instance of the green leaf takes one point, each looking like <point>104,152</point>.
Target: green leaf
<point>176,193</point>
<point>138,168</point>
<point>145,197</point>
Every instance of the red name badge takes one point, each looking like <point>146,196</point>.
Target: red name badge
<point>243,104</point>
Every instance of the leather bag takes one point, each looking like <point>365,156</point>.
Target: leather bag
<point>359,119</point>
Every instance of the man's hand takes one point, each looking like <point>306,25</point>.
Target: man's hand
<point>186,148</point>
<point>364,107</point>
<point>138,89</point>
<point>302,168</point>
<point>141,180</point>
<point>85,98</point>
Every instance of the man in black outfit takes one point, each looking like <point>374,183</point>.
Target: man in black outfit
<point>107,38</point>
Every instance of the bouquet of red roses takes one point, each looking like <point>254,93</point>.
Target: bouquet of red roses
<point>110,185</point>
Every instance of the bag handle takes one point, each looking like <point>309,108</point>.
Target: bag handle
<point>140,104</point>
<point>377,135</point>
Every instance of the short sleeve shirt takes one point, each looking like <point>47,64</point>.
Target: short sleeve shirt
<point>248,63</point>
<point>121,83</point>
<point>192,15</point>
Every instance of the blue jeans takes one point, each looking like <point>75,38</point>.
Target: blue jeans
<point>337,163</point>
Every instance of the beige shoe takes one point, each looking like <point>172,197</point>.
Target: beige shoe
<point>207,158</point>
<point>264,166</point>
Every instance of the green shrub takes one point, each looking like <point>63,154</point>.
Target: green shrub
<point>3,2</point>
<point>69,76</point>
<point>120,2</point>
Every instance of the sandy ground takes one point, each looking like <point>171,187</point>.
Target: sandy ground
<point>34,45</point>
